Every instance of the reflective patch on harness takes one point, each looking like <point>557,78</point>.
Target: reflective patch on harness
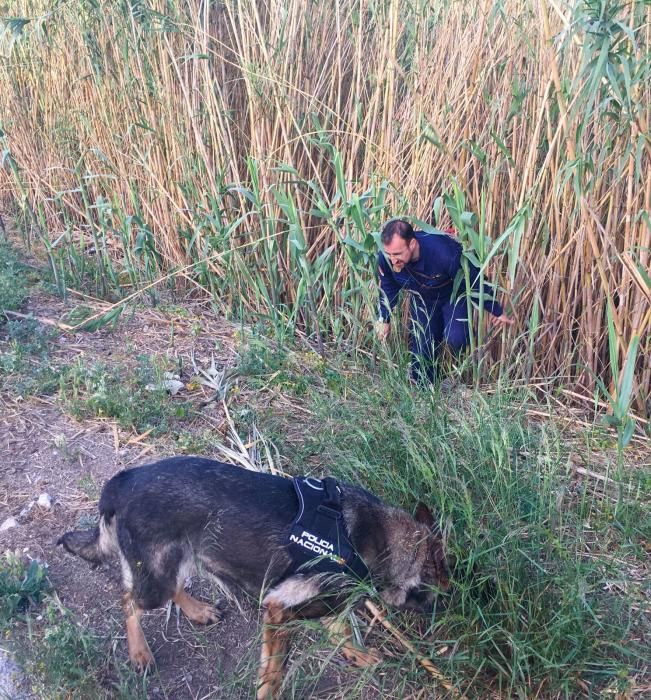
<point>317,546</point>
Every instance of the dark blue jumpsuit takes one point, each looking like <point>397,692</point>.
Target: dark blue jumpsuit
<point>434,316</point>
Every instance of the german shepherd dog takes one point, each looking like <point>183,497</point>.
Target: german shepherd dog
<point>168,519</point>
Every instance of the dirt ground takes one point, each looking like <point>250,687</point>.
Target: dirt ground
<point>34,466</point>
<point>45,451</point>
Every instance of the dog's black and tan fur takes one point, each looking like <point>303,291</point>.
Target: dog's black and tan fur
<point>165,520</point>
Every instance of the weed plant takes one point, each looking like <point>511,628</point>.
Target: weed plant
<point>21,586</point>
<point>26,366</point>
<point>135,399</point>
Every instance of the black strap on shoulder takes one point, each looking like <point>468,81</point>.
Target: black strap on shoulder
<point>319,541</point>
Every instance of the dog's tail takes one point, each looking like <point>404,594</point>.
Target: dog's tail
<point>94,545</point>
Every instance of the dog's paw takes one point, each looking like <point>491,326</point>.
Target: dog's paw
<point>141,659</point>
<point>268,690</point>
<point>362,657</point>
<point>207,615</point>
<point>202,613</point>
<point>196,610</point>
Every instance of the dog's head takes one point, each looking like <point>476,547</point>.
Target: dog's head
<point>424,571</point>
<point>434,573</point>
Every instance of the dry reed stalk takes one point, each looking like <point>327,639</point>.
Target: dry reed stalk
<point>422,660</point>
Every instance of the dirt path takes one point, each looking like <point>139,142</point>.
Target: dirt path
<point>71,477</point>
<point>45,451</point>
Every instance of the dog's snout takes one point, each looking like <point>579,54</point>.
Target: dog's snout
<point>419,598</point>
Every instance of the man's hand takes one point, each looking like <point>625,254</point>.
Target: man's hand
<point>382,330</point>
<point>502,320</point>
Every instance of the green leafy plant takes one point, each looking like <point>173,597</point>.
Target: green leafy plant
<point>13,289</point>
<point>22,585</point>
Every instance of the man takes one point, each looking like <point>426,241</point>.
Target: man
<point>426,265</point>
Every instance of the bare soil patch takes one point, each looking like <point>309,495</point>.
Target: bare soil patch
<point>46,451</point>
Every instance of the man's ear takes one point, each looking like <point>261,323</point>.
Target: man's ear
<point>424,515</point>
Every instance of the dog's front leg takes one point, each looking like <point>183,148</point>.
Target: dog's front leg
<point>275,641</point>
<point>139,652</point>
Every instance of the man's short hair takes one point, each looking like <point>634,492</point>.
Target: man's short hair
<point>398,227</point>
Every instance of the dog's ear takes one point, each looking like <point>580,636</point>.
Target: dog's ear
<point>424,515</point>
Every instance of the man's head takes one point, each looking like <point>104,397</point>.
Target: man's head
<point>400,244</point>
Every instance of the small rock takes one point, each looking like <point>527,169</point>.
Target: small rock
<point>8,524</point>
<point>26,510</point>
<point>45,501</point>
<point>173,386</point>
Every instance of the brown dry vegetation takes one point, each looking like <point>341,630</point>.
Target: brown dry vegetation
<point>244,133</point>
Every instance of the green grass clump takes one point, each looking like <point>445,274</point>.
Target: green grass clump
<point>268,366</point>
<point>65,657</point>
<point>26,366</point>
<point>21,586</point>
<point>25,363</point>
<point>122,393</point>
<point>13,288</point>
<point>189,442</point>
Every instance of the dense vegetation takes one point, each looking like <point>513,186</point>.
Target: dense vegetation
<point>252,150</point>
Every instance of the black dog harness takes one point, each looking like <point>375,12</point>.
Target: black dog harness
<point>319,541</point>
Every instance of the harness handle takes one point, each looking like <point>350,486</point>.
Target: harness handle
<point>332,499</point>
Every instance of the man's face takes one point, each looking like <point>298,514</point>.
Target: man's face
<point>400,252</point>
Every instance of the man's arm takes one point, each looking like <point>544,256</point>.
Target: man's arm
<point>389,288</point>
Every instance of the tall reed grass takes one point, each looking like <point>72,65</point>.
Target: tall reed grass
<point>254,148</point>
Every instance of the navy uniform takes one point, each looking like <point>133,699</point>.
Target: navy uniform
<point>434,316</point>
